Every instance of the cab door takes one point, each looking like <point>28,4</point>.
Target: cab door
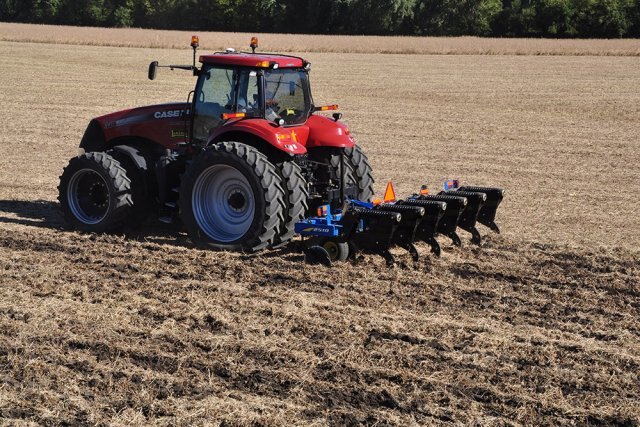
<point>215,95</point>
<point>224,90</point>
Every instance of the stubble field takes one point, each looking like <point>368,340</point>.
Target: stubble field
<point>539,326</point>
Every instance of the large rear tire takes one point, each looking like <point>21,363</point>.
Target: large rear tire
<point>95,193</point>
<point>296,200</point>
<point>231,198</point>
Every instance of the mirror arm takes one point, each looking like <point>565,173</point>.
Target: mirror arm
<point>153,68</point>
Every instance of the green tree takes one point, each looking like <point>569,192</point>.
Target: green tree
<point>250,16</point>
<point>456,17</point>
<point>83,12</point>
<point>9,10</point>
<point>602,18</point>
<point>36,11</point>
<point>382,16</point>
<point>123,14</point>
<point>327,17</point>
<point>633,12</point>
<point>515,19</point>
<point>554,17</point>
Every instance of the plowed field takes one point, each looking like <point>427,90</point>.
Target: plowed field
<point>539,326</point>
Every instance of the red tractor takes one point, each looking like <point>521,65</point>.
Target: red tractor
<point>239,163</point>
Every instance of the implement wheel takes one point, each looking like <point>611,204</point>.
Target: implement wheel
<point>231,198</point>
<point>337,251</point>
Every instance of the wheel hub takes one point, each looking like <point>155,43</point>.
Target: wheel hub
<point>237,201</point>
<point>98,194</point>
<point>88,196</point>
<point>223,203</point>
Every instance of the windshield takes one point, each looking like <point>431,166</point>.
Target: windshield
<point>287,95</point>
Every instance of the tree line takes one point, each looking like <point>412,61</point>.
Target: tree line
<point>499,18</point>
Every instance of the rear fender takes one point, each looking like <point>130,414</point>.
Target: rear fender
<point>325,132</point>
<point>288,140</point>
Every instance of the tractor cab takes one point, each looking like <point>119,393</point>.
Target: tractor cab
<point>235,86</point>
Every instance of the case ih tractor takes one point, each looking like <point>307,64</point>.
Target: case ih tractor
<point>244,164</point>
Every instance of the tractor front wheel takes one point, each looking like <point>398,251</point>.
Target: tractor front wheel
<point>231,198</point>
<point>95,193</point>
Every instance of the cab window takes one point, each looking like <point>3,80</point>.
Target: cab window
<point>214,95</point>
<point>223,90</point>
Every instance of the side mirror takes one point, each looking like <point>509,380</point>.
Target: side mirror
<point>153,70</point>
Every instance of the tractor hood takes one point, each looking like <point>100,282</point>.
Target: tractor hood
<point>163,123</point>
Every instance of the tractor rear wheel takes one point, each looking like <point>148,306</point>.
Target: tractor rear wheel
<point>296,200</point>
<point>231,198</point>
<point>95,193</point>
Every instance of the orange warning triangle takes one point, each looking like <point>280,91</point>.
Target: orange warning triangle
<point>389,193</point>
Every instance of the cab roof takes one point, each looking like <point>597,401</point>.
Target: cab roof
<point>245,59</point>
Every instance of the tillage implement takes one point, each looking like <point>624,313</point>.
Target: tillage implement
<point>375,227</point>
<point>246,162</point>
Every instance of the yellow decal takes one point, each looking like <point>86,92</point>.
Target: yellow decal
<point>177,133</point>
